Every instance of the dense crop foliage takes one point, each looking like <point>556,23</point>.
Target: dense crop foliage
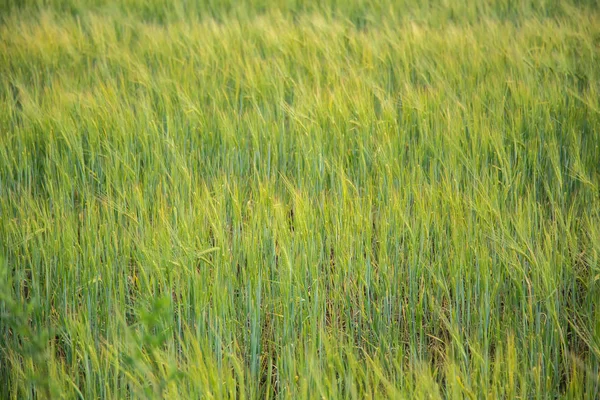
<point>339,199</point>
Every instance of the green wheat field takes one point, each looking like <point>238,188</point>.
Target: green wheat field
<point>295,199</point>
